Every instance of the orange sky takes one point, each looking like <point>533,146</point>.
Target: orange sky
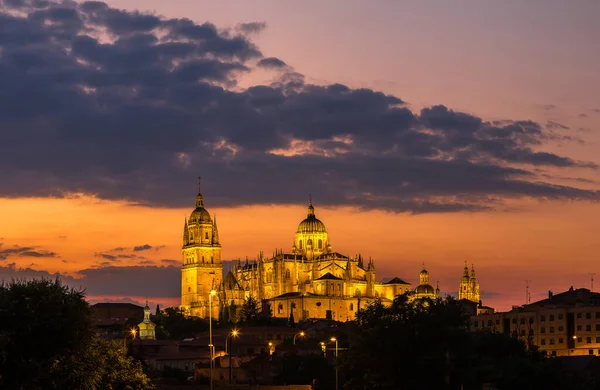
<point>553,245</point>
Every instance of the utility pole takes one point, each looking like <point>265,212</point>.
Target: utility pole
<point>592,279</point>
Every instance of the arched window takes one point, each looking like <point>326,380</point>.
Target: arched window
<point>287,274</point>
<point>309,242</point>
<point>357,293</point>
<point>212,259</point>
<point>203,259</point>
<point>352,306</point>
<point>300,243</point>
<point>206,236</point>
<point>320,244</point>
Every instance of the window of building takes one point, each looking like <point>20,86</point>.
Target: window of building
<point>352,306</point>
<point>206,235</point>
<point>530,320</point>
<point>543,341</point>
<point>212,259</point>
<point>475,324</point>
<point>579,339</point>
<point>522,321</point>
<point>300,244</point>
<point>203,259</point>
<point>578,315</point>
<point>591,352</point>
<point>579,327</point>
<point>598,314</point>
<point>490,323</point>
<point>588,328</point>
<point>551,317</point>
<point>320,244</point>
<point>553,353</point>
<point>497,322</point>
<point>189,289</point>
<point>543,329</point>
<point>287,274</point>
<point>588,316</point>
<point>561,340</point>
<point>588,340</point>
<point>551,329</point>
<point>597,339</point>
<point>560,316</point>
<point>561,328</point>
<point>551,341</point>
<point>598,327</point>
<point>318,303</point>
<point>543,318</point>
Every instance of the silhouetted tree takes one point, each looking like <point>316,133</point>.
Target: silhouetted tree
<point>47,341</point>
<point>249,312</point>
<point>177,326</point>
<point>157,313</point>
<point>427,344</point>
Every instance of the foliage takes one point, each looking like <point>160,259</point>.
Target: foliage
<point>250,312</point>
<point>173,324</point>
<point>427,344</point>
<point>302,370</point>
<point>116,370</point>
<point>47,341</point>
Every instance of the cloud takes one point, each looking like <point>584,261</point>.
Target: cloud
<point>251,27</point>
<point>127,105</point>
<point>140,248</point>
<point>25,251</point>
<point>110,280</point>
<point>272,63</point>
<point>171,262</point>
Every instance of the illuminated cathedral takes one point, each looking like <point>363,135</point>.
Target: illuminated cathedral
<point>310,281</point>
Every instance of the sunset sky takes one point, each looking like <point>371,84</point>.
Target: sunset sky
<point>426,131</point>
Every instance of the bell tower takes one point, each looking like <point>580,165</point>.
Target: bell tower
<point>202,270</point>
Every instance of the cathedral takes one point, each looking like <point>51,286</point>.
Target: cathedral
<point>310,281</point>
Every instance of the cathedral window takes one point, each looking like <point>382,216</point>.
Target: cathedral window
<point>189,289</point>
<point>203,259</point>
<point>352,306</point>
<point>287,274</point>
<point>320,244</point>
<point>300,243</point>
<point>357,293</point>
<point>309,242</point>
<point>212,260</point>
<point>206,235</point>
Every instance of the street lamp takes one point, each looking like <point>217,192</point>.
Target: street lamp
<point>233,333</point>
<point>132,331</point>
<point>336,362</point>
<point>323,349</point>
<point>210,343</point>
<point>301,334</point>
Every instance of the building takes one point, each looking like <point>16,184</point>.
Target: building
<point>310,281</point>
<point>469,286</point>
<point>147,327</point>
<point>565,324</point>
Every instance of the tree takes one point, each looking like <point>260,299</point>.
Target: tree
<point>157,313</point>
<point>427,344</point>
<point>178,326</point>
<point>47,340</point>
<point>129,375</point>
<point>249,312</point>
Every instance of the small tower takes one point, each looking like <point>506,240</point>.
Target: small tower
<point>147,327</point>
<point>469,285</point>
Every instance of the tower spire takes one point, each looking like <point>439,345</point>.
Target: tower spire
<point>199,197</point>
<point>215,236</point>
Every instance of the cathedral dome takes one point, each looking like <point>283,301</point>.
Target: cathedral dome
<point>200,215</point>
<point>311,224</point>
<point>425,289</point>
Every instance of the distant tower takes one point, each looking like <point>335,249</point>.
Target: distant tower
<point>469,285</point>
<point>202,270</point>
<point>147,327</point>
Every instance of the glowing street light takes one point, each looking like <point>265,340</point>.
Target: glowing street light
<point>210,342</point>
<point>336,362</point>
<point>301,334</point>
<point>234,333</point>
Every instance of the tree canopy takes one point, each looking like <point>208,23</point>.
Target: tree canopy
<point>47,342</point>
<point>427,344</point>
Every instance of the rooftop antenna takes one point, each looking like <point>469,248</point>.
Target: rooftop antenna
<point>527,294</point>
<point>592,280</point>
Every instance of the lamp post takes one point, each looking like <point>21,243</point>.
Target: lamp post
<point>210,342</point>
<point>233,333</point>
<point>132,332</point>
<point>336,362</point>
<point>301,334</point>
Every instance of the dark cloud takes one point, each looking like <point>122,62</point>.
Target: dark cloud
<point>111,280</point>
<point>126,105</point>
<point>583,115</point>
<point>556,125</point>
<point>548,107</point>
<point>140,248</point>
<point>251,27</point>
<point>25,251</point>
<point>171,262</point>
<point>272,63</point>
